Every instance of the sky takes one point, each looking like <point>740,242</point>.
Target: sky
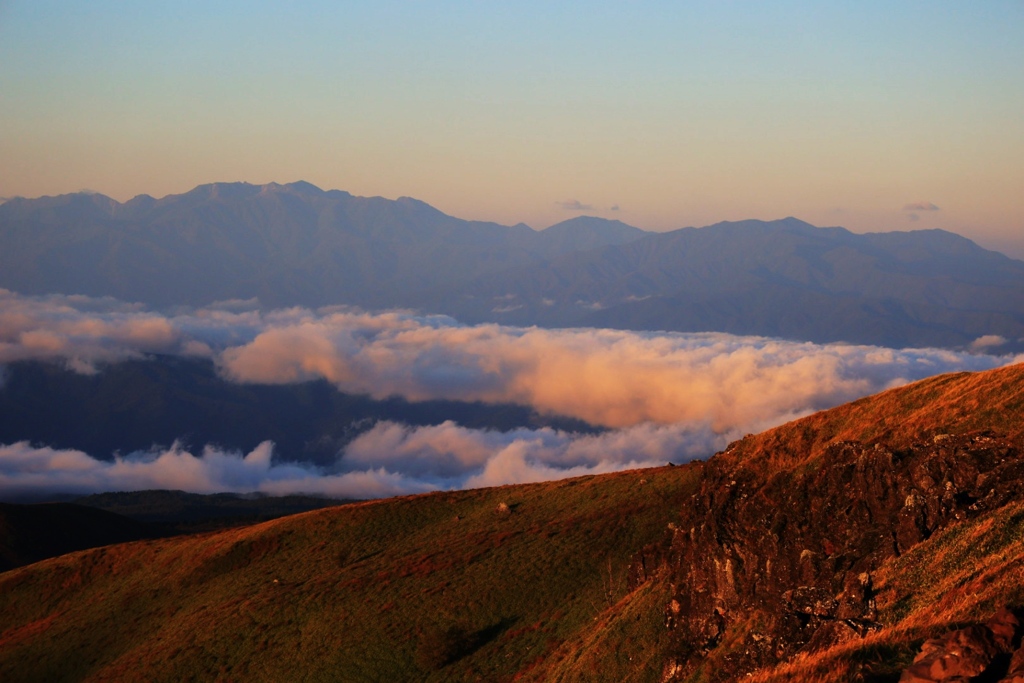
<point>871,115</point>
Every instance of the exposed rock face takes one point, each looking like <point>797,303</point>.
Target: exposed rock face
<point>779,565</point>
<point>967,654</point>
<point>1015,672</point>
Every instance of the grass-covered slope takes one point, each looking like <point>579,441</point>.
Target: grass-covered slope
<point>885,522</point>
<point>474,585</point>
<point>955,403</point>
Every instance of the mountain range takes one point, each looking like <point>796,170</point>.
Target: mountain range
<point>284,244</point>
<point>881,540</point>
<point>295,244</point>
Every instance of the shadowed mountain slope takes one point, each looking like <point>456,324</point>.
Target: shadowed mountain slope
<point>29,533</point>
<point>296,244</point>
<point>799,554</point>
<point>180,511</point>
<point>783,278</point>
<point>587,232</point>
<point>285,244</point>
<point>38,531</point>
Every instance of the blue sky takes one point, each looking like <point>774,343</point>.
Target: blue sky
<point>678,113</point>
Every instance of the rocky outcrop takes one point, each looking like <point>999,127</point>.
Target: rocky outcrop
<point>778,565</point>
<point>989,652</point>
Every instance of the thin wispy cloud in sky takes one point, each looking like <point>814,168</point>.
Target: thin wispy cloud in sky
<point>575,205</point>
<point>913,210</point>
<point>665,397</point>
<point>921,206</point>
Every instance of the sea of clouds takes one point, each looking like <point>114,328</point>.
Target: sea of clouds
<point>663,396</point>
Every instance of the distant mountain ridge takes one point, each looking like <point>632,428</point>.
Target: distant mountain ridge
<point>29,533</point>
<point>782,278</point>
<point>295,244</point>
<point>285,244</point>
<point>33,532</point>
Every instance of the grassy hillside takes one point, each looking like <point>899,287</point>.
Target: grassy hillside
<point>474,585</point>
<point>529,582</point>
<point>955,403</point>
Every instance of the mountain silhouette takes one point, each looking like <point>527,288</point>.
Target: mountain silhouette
<point>298,245</point>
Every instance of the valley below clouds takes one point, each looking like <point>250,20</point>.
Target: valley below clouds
<point>659,397</point>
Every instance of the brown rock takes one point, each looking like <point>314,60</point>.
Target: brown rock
<point>792,550</point>
<point>811,601</point>
<point>831,633</point>
<point>857,599</point>
<point>1005,628</point>
<point>911,522</point>
<point>1015,674</point>
<point>969,652</point>
<point>956,656</point>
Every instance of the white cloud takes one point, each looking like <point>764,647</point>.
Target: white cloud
<point>79,330</point>
<point>25,470</point>
<point>665,396</point>
<point>612,378</point>
<point>390,459</point>
<point>607,377</point>
<point>988,341</point>
<point>453,456</point>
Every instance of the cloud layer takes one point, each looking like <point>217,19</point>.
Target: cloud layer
<point>390,459</point>
<point>667,397</point>
<point>607,377</point>
<point>27,472</point>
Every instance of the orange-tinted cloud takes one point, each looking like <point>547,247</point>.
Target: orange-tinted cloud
<point>607,377</point>
<point>612,378</point>
<point>82,331</point>
<point>666,397</point>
